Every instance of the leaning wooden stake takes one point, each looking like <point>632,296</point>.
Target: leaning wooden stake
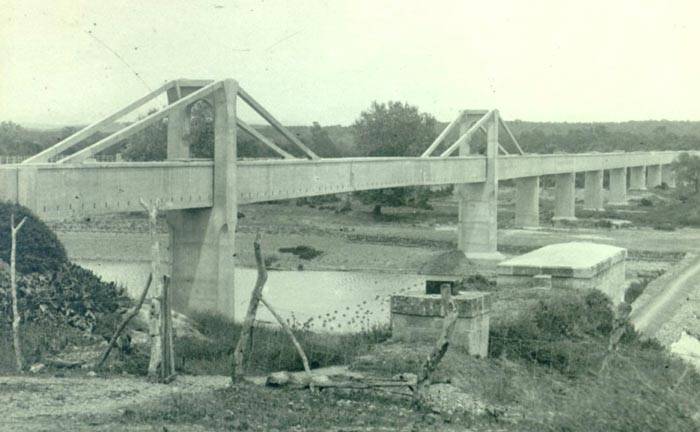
<point>255,299</point>
<point>448,325</point>
<point>13,287</point>
<point>294,340</point>
<point>238,352</point>
<point>155,316</point>
<point>127,318</point>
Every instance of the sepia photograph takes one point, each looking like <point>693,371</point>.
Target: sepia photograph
<point>350,215</point>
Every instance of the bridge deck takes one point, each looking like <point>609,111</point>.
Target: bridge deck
<point>58,191</point>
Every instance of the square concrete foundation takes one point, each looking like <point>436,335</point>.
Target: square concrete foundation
<point>575,265</point>
<point>419,318</point>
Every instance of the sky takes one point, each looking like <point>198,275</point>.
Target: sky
<point>75,61</point>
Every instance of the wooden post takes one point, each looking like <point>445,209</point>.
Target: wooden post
<point>449,310</point>
<point>126,320</point>
<point>247,328</point>
<point>13,287</point>
<point>295,342</point>
<point>167,366</point>
<point>155,315</point>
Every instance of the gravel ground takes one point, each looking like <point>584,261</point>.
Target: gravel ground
<point>42,403</point>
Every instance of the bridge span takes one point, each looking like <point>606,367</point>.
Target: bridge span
<point>200,197</point>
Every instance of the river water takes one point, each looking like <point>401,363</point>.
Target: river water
<point>332,301</point>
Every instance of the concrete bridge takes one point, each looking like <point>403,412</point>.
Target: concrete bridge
<point>201,197</point>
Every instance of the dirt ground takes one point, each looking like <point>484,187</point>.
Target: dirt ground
<point>44,403</point>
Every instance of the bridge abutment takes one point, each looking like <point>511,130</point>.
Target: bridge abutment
<point>527,202</point>
<point>618,186</point>
<point>593,193</point>
<point>564,197</point>
<point>638,178</point>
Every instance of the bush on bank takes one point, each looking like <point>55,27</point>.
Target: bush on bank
<point>38,248</point>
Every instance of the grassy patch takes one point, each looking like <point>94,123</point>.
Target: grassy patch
<point>270,348</point>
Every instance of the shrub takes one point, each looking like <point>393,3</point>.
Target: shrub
<point>71,295</point>
<point>565,332</point>
<point>646,202</point>
<point>38,248</point>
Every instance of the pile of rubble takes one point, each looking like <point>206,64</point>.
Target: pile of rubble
<point>70,296</point>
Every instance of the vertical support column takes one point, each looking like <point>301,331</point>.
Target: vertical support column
<point>203,240</point>
<point>477,229</point>
<point>653,176</point>
<point>564,197</point>
<point>618,186</point>
<point>638,178</point>
<point>527,202</point>
<point>593,194</point>
<point>668,176</point>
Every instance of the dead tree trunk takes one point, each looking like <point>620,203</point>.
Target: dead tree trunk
<point>155,316</point>
<point>13,287</point>
<point>448,325</point>
<point>127,318</point>
<point>247,328</point>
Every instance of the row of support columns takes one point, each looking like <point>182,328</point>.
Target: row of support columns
<point>477,202</point>
<point>527,191</point>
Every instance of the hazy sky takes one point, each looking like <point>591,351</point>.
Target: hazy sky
<point>326,61</point>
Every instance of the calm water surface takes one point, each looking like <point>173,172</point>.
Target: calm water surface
<point>324,300</point>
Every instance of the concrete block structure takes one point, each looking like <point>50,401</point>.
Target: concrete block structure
<point>653,176</point>
<point>574,265</point>
<point>618,186</point>
<point>638,178</point>
<point>565,197</point>
<point>419,318</point>
<point>593,194</point>
<point>527,202</point>
<point>668,176</point>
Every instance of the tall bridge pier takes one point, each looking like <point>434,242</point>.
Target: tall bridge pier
<point>203,239</point>
<point>200,198</point>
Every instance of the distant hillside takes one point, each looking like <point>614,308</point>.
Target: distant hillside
<point>339,141</point>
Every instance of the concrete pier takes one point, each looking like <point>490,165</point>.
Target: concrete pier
<point>575,265</point>
<point>618,186</point>
<point>564,197</point>
<point>527,202</point>
<point>419,318</point>
<point>638,178</point>
<point>477,229</point>
<point>653,176</point>
<point>202,240</point>
<point>593,195</point>
<point>668,176</point>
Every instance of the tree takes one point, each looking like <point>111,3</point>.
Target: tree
<point>150,144</point>
<point>392,129</point>
<point>15,140</point>
<point>321,143</point>
<point>687,170</point>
